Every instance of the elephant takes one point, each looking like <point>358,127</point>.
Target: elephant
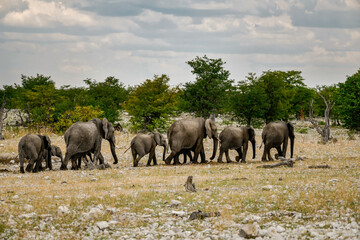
<point>143,144</point>
<point>236,138</point>
<point>84,137</point>
<point>55,151</point>
<point>32,147</point>
<point>83,157</point>
<point>274,134</point>
<point>188,134</point>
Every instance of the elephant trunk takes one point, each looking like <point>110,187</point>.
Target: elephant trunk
<point>112,147</point>
<point>292,139</point>
<point>165,150</point>
<point>215,146</point>
<point>253,142</point>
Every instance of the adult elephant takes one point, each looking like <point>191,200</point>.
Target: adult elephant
<point>236,138</point>
<point>85,137</point>
<point>32,147</point>
<point>143,144</point>
<point>276,134</point>
<point>188,134</point>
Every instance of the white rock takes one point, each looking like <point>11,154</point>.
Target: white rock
<point>333,180</point>
<point>249,231</point>
<point>46,177</point>
<point>62,210</point>
<point>267,188</point>
<point>12,161</point>
<point>280,229</point>
<point>15,197</point>
<point>93,213</point>
<point>93,179</point>
<point>179,213</point>
<point>174,203</point>
<point>28,207</point>
<point>28,215</point>
<point>102,225</point>
<point>262,232</point>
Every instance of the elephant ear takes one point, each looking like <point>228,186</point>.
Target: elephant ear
<point>157,138</point>
<point>208,128</point>
<point>251,133</point>
<point>291,130</point>
<point>105,127</point>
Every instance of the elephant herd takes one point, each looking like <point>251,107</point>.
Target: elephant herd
<point>185,137</point>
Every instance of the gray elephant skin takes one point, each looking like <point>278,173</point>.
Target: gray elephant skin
<point>143,144</point>
<point>189,134</point>
<point>236,138</point>
<point>56,152</point>
<point>84,137</point>
<point>32,147</point>
<point>276,134</point>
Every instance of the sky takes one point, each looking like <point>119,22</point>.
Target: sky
<point>133,40</point>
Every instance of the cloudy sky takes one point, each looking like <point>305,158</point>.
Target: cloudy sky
<point>134,39</point>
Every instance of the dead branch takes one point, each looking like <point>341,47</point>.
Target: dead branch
<point>320,166</point>
<point>286,162</point>
<point>201,215</point>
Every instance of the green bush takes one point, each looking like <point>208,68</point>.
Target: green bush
<point>70,117</point>
<point>302,130</point>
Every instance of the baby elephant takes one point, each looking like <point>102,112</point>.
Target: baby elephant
<point>143,144</point>
<point>56,152</point>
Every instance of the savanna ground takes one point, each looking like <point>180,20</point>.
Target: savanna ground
<point>151,202</point>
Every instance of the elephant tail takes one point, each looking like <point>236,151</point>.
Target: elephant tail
<point>132,143</point>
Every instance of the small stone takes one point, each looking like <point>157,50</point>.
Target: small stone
<point>93,179</point>
<point>102,225</point>
<point>12,161</point>
<point>46,177</point>
<point>249,231</point>
<point>333,180</point>
<point>63,182</point>
<point>15,197</point>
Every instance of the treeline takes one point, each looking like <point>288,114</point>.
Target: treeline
<point>271,96</point>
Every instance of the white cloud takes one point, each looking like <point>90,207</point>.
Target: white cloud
<point>74,66</point>
<point>47,14</point>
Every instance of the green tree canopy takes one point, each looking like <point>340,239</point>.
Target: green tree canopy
<point>208,94</point>
<point>349,96</point>
<point>107,96</point>
<point>152,103</point>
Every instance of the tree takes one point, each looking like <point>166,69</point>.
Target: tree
<point>152,103</point>
<point>3,99</point>
<point>38,98</point>
<point>108,96</point>
<point>280,88</point>
<point>349,96</point>
<point>249,101</point>
<point>208,94</point>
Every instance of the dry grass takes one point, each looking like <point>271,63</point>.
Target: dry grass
<point>233,189</point>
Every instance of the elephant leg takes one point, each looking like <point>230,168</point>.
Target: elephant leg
<point>134,154</point>
<point>154,160</point>
<point>176,159</point>
<point>222,150</point>
<point>49,163</point>
<point>189,155</point>
<point>185,157</point>
<point>198,148</point>
<point>202,155</point>
<point>70,151</point>
<point>245,148</point>
<point>151,156</point>
<point>263,158</point>
<point>285,143</point>
<point>239,151</point>
<point>268,153</point>
<point>279,154</point>
<point>170,157</point>
<point>136,161</point>
<point>22,160</point>
<point>38,164</point>
<point>228,160</point>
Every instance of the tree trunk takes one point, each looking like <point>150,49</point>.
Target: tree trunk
<point>325,131</point>
<point>2,118</point>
